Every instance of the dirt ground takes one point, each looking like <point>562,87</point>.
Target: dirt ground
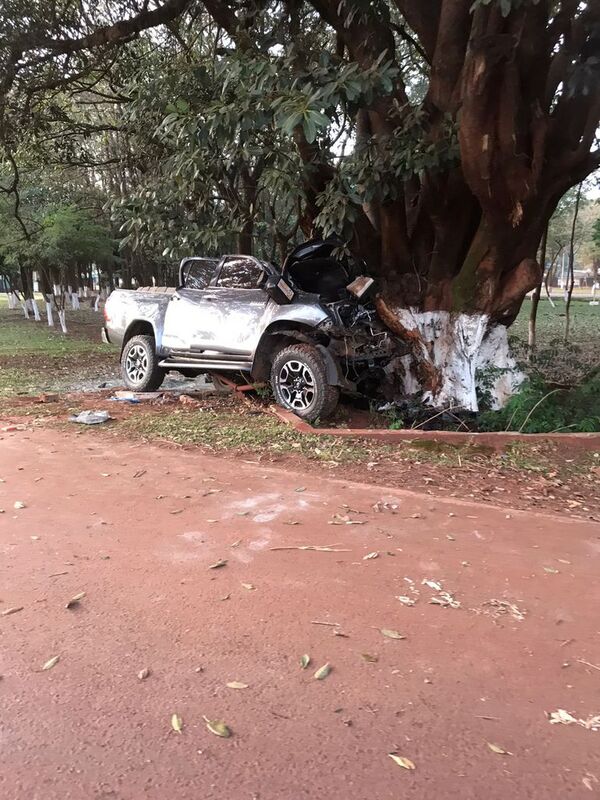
<point>465,696</point>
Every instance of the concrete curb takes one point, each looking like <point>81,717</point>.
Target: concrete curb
<point>496,441</point>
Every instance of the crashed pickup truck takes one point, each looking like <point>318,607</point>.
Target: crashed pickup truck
<point>308,328</point>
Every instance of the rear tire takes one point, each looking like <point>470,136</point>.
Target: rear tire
<point>139,365</point>
<point>299,382</point>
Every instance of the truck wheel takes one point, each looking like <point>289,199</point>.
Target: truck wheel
<point>299,381</point>
<point>139,365</point>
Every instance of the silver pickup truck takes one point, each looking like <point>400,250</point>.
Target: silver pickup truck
<point>304,328</point>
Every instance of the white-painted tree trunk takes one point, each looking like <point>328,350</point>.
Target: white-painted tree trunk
<point>75,301</point>
<point>12,300</point>
<point>49,314</point>
<point>467,351</point>
<point>25,307</point>
<point>97,303</point>
<point>35,309</point>
<point>62,318</point>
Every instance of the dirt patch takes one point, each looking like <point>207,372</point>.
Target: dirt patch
<point>542,476</point>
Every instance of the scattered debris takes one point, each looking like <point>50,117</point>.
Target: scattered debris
<point>344,519</point>
<point>91,417</point>
<point>369,556</point>
<point>445,599</point>
<point>19,504</point>
<point>341,633</point>
<point>12,610</point>
<point>403,762</point>
<point>221,563</point>
<point>322,672</point>
<point>74,601</point>
<point>383,505</point>
<point>406,601</point>
<point>143,674</point>
<point>501,607</point>
<point>52,662</point>
<point>236,685</point>
<point>330,548</point>
<point>499,750</point>
<point>176,723</point>
<point>249,586</point>
<point>218,728</point>
<point>304,661</point>
<point>318,622</point>
<point>587,664</point>
<point>437,587</point>
<point>371,659</point>
<point>391,634</point>
<point>562,717</point>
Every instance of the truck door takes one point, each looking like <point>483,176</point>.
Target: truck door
<point>190,316</point>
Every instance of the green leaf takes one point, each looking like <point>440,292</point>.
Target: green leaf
<point>304,661</point>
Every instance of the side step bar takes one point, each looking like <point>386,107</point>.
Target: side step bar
<point>207,365</point>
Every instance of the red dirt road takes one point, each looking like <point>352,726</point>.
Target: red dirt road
<point>136,527</point>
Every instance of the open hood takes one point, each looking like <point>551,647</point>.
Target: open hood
<point>312,267</point>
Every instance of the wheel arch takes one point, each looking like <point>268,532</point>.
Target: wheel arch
<point>139,327</point>
<point>280,334</point>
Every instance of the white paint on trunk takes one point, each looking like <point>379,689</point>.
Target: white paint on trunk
<point>25,307</point>
<point>468,351</point>
<point>49,315</point>
<point>97,303</point>
<point>75,301</point>
<point>62,318</point>
<point>86,291</point>
<point>12,300</point>
<point>36,311</point>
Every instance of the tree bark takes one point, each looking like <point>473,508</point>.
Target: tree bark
<point>535,299</point>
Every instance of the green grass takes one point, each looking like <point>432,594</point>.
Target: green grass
<point>21,337</point>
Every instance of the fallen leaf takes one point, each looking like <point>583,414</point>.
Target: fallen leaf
<point>237,685</point>
<point>305,661</point>
<point>143,674</point>
<point>323,672</point>
<point>341,633</point>
<point>370,555</point>
<point>225,597</point>
<point>496,749</point>
<point>12,610</point>
<point>391,634</point>
<point>218,728</point>
<point>370,658</point>
<point>19,504</point>
<point>218,564</point>
<point>551,570</point>
<point>52,662</point>
<point>403,762</point>
<point>249,586</point>
<point>35,538</point>
<point>139,473</point>
<point>236,543</point>
<point>432,584</point>
<point>176,511</point>
<point>445,599</point>
<point>75,600</point>
<point>300,489</point>
<point>176,723</point>
<point>291,522</point>
<point>406,601</point>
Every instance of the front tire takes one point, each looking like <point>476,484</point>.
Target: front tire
<point>139,365</point>
<point>299,382</point>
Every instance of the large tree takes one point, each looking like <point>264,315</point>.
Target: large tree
<point>436,136</point>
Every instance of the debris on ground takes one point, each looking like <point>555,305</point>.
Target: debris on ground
<point>446,600</point>
<point>498,608</point>
<point>562,717</point>
<point>91,417</point>
<point>405,763</point>
<point>135,397</point>
<point>218,728</point>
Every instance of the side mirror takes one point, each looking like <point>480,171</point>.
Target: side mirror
<point>279,290</point>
